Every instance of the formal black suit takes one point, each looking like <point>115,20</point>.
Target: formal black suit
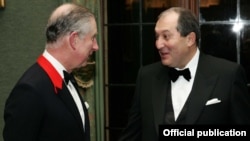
<point>37,110</point>
<point>215,78</point>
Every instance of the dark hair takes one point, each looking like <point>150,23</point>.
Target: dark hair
<point>77,19</point>
<point>187,22</point>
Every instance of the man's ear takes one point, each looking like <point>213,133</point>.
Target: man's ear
<point>191,38</point>
<point>73,39</point>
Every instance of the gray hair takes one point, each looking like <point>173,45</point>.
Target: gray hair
<point>76,19</point>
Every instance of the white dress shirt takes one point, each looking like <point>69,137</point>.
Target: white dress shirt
<point>181,88</point>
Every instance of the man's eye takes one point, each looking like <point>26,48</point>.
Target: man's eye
<point>165,37</point>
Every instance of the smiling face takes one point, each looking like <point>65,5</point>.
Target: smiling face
<point>173,48</point>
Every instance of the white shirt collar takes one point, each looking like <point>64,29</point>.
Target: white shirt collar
<point>193,63</point>
<point>56,64</point>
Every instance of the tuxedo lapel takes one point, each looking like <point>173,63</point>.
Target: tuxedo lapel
<point>60,87</point>
<point>66,97</point>
<point>203,86</point>
<point>64,94</point>
<point>54,76</point>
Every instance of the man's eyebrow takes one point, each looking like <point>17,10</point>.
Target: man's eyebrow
<point>163,32</point>
<point>166,31</point>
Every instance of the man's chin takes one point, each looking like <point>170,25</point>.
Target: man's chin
<point>165,63</point>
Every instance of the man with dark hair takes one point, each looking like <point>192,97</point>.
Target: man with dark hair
<point>187,87</point>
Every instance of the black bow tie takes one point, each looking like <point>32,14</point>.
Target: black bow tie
<point>68,76</point>
<point>174,74</point>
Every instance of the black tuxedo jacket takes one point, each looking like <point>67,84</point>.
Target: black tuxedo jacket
<point>36,110</point>
<point>215,78</point>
